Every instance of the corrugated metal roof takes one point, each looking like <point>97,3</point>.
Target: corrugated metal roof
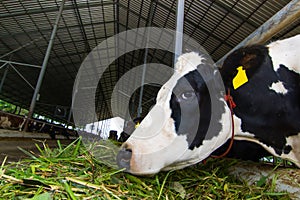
<point>25,28</point>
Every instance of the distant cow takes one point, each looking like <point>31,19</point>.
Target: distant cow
<point>113,135</point>
<point>11,121</point>
<point>34,126</point>
<point>192,119</point>
<point>42,126</point>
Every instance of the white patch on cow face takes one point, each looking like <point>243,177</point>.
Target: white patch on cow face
<point>188,62</point>
<point>151,153</point>
<point>278,87</point>
<point>286,52</point>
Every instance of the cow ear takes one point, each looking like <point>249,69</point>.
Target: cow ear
<point>248,60</point>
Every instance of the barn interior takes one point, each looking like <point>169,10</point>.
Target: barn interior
<point>43,46</point>
<point>44,43</point>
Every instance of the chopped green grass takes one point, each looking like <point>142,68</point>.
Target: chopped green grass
<point>71,172</point>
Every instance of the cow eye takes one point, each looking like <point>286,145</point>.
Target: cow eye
<point>187,95</point>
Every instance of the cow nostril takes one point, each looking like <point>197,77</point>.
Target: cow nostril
<point>123,158</point>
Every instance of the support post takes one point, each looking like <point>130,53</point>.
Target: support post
<point>44,65</point>
<point>139,111</point>
<point>179,29</point>
<point>3,78</point>
<point>69,115</point>
<point>283,18</point>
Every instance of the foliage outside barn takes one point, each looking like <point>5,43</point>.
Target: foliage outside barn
<point>10,108</point>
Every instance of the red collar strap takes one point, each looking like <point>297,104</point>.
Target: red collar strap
<point>229,99</point>
<point>232,105</point>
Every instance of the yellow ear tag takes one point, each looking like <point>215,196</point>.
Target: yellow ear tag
<point>137,125</point>
<point>240,79</point>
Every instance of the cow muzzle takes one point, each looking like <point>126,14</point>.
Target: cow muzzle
<point>124,157</point>
<point>143,152</point>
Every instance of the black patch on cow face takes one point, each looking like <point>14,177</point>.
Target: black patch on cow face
<point>269,115</point>
<point>189,98</point>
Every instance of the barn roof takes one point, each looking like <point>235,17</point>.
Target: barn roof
<point>26,26</point>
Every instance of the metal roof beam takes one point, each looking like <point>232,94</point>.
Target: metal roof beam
<point>193,24</point>
<point>20,74</point>
<point>283,18</point>
<point>21,47</point>
<point>81,26</point>
<point>53,9</point>
<point>238,15</point>
<point>236,29</point>
<point>50,29</point>
<point>18,63</point>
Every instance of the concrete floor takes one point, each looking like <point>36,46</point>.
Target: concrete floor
<point>10,140</point>
<point>9,147</point>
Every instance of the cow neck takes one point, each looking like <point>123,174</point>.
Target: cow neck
<point>232,105</point>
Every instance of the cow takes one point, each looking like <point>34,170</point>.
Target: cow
<point>42,126</point>
<point>113,135</point>
<point>253,101</point>
<point>34,126</point>
<point>11,121</point>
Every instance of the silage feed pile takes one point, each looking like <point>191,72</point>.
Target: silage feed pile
<point>71,172</point>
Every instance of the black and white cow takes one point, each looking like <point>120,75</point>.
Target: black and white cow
<point>192,119</point>
<point>11,121</point>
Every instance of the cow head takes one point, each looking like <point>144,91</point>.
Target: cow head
<point>184,127</point>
